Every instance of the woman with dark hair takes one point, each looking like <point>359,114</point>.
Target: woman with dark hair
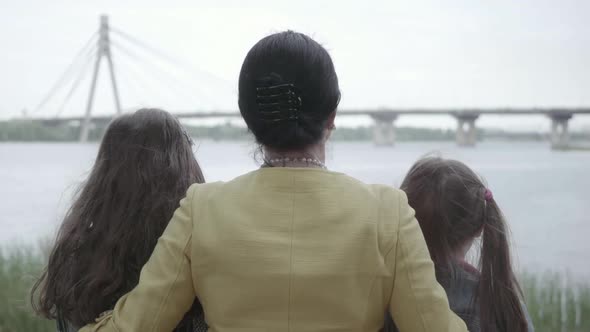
<point>454,206</point>
<point>291,246</point>
<point>144,166</point>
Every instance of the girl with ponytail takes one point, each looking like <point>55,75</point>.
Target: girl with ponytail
<point>454,207</point>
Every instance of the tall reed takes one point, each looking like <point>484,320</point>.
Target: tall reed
<point>556,302</point>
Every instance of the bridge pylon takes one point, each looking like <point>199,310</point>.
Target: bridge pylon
<point>560,137</point>
<point>103,51</point>
<point>466,131</point>
<point>384,129</point>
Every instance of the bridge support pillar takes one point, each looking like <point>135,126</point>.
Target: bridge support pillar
<point>559,130</point>
<point>466,130</point>
<point>104,50</point>
<point>384,129</point>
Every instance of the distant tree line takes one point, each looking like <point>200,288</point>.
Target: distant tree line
<point>32,131</point>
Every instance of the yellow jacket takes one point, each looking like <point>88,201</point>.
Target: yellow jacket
<point>289,249</point>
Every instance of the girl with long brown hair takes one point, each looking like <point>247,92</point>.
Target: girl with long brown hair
<point>144,166</point>
<point>454,207</point>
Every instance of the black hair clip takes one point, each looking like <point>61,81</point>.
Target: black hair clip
<point>278,102</point>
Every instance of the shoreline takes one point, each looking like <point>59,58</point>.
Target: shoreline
<point>554,301</point>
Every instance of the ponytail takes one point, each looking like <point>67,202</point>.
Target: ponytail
<point>499,294</point>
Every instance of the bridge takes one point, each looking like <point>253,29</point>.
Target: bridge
<point>384,118</point>
<point>384,121</point>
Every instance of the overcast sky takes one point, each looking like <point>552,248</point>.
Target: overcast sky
<point>418,53</point>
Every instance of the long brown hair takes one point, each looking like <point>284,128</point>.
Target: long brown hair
<point>452,209</point>
<point>144,166</point>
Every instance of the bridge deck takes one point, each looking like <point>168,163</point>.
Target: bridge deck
<point>360,112</point>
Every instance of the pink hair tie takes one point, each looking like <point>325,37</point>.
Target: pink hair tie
<point>488,196</point>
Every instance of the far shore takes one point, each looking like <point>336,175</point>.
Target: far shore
<point>27,131</point>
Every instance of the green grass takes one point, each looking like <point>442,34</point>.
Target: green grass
<point>18,269</point>
<point>556,303</point>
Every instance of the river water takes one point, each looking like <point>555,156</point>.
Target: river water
<point>544,194</point>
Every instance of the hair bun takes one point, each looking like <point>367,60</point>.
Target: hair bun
<point>278,102</point>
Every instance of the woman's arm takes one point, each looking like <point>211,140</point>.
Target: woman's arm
<point>165,290</point>
<point>418,302</point>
